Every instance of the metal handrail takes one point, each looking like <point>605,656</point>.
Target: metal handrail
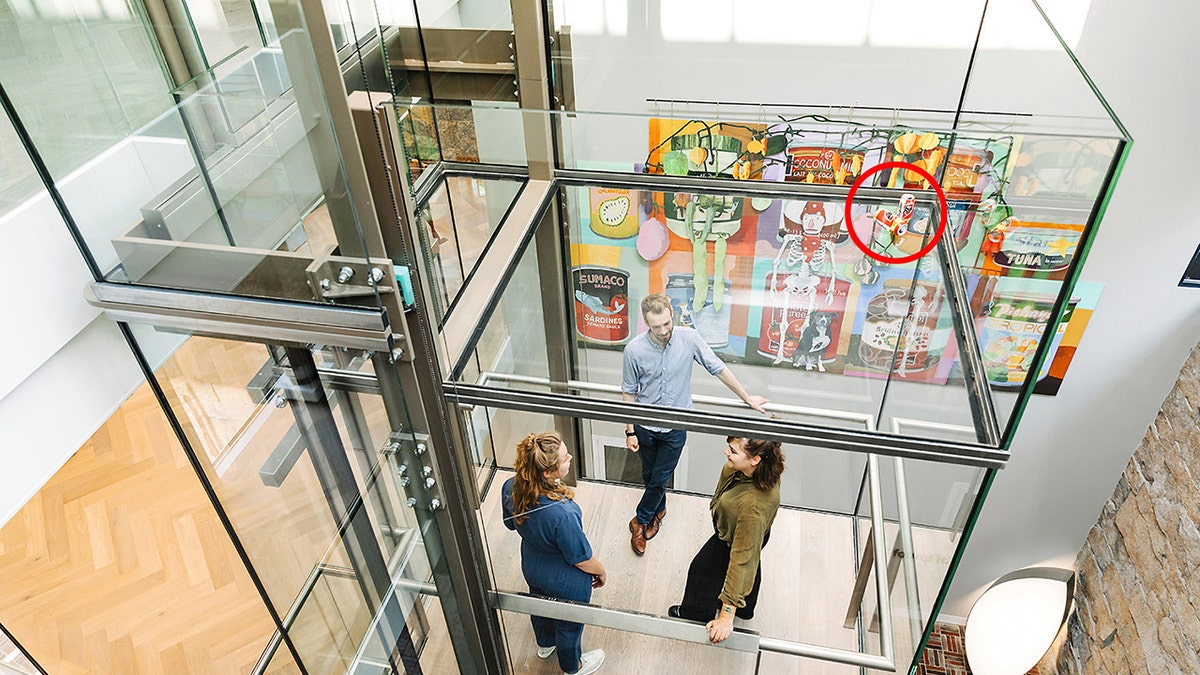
<point>741,640</point>
<point>866,419</point>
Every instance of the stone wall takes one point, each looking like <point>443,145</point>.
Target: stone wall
<point>1138,590</point>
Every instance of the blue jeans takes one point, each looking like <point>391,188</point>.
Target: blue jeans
<point>565,635</point>
<point>660,452</point>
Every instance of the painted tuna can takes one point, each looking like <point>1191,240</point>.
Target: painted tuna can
<point>601,304</point>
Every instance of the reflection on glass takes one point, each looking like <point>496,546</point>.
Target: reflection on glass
<point>105,58</point>
<point>220,27</point>
<point>331,623</point>
<point>282,663</point>
<point>488,132</point>
<point>458,223</point>
<point>226,191</point>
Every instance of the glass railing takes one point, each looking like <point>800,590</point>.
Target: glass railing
<point>1020,208</point>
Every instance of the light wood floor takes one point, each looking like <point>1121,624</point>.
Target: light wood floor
<point>805,584</point>
<point>808,575</point>
<point>119,564</point>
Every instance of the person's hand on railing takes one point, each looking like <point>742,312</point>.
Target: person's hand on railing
<point>757,402</point>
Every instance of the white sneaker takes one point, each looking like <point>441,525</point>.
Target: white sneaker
<point>590,662</point>
<point>545,652</point>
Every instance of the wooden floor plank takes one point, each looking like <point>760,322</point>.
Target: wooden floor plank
<point>120,565</point>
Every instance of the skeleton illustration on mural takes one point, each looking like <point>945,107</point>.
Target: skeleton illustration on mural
<point>803,255</point>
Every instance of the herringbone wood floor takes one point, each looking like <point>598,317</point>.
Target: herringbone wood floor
<point>120,565</point>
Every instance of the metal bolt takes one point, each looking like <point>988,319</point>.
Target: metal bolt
<point>405,481</point>
<point>397,354</point>
<point>326,284</point>
<point>402,469</point>
<point>412,502</point>
<point>280,402</point>
<point>435,504</point>
<point>429,482</point>
<point>392,448</point>
<point>426,471</point>
<point>420,448</point>
<point>345,274</point>
<point>376,275</point>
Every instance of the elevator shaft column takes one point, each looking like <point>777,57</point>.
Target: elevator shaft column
<point>315,420</point>
<point>533,91</point>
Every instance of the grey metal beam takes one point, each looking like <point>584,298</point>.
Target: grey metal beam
<point>107,295</point>
<point>731,187</point>
<point>623,620</point>
<point>476,301</point>
<point>705,421</point>
<point>979,394</point>
<point>269,321</point>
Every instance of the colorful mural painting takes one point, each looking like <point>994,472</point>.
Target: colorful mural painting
<point>778,283</point>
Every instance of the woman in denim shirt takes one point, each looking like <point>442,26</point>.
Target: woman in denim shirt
<point>556,558</point>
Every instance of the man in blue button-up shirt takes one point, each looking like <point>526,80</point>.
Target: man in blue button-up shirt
<point>658,370</point>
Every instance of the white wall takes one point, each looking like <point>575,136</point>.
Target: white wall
<point>69,368</point>
<point>1071,449</point>
<point>59,406</point>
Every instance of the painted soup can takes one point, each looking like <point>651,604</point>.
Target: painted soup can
<point>601,304</point>
<point>712,324</point>
<point>784,317</point>
<point>898,330</point>
<point>614,212</point>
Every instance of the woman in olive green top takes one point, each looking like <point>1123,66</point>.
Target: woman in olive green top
<point>724,577</point>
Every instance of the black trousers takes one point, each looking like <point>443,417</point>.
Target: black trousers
<point>706,579</point>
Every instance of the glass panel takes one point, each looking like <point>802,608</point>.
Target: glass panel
<point>458,223</point>
<point>12,658</point>
<point>1028,70</point>
<point>512,343</point>
<point>1026,237</point>
<point>634,653</point>
<point>331,623</point>
<point>121,527</point>
<point>282,663</point>
<point>807,572</point>
<point>102,55</point>
<point>302,468</point>
<point>674,50</point>
<point>485,132</point>
<point>220,27</point>
<point>226,191</point>
<point>774,278</point>
<point>925,379</point>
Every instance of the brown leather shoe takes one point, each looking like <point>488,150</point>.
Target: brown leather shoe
<point>655,524</point>
<point>638,540</point>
